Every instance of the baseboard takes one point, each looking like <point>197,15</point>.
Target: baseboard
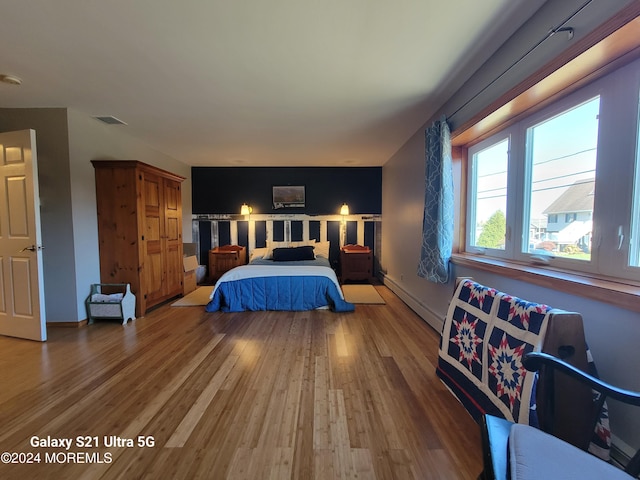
<point>423,311</point>
<point>81,323</point>
<point>621,453</point>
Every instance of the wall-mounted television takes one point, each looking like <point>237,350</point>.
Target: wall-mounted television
<point>288,196</point>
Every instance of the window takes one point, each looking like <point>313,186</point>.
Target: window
<point>490,167</point>
<point>562,187</point>
<point>561,159</point>
<point>634,247</point>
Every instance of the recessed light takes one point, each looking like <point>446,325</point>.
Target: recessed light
<point>10,79</point>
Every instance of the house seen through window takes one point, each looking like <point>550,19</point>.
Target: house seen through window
<point>561,160</point>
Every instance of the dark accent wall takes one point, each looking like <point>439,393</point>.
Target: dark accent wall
<point>224,189</point>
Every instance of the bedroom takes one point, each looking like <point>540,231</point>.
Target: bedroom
<point>69,137</point>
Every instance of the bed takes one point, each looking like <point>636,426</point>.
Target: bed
<point>279,277</point>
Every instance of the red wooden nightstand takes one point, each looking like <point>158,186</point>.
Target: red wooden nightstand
<point>356,263</point>
<point>222,259</point>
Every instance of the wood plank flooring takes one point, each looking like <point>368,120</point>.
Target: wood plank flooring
<point>255,395</point>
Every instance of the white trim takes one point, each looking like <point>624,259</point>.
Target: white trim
<point>252,234</point>
<point>323,232</point>
<point>305,229</point>
<point>233,227</point>
<point>360,232</point>
<point>269,231</point>
<point>215,235</point>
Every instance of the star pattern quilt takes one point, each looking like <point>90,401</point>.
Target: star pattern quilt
<point>485,335</point>
<point>484,338</point>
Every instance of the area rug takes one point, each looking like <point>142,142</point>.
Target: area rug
<point>200,296</point>
<point>361,294</point>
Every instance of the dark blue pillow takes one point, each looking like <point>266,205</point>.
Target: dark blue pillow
<point>293,254</point>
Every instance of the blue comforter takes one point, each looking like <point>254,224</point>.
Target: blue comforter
<point>290,293</point>
<point>269,285</point>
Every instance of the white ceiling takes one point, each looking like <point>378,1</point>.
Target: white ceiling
<point>250,82</point>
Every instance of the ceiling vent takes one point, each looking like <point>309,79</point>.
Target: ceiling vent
<point>110,120</point>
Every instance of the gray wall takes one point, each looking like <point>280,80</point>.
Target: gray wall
<point>612,333</point>
<point>89,140</point>
<point>67,141</point>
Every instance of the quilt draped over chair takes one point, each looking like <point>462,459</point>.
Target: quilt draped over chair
<point>485,336</point>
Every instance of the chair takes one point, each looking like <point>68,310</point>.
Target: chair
<point>479,318</point>
<point>521,452</point>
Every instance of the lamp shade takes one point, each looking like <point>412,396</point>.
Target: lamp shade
<point>245,209</point>
<point>344,210</point>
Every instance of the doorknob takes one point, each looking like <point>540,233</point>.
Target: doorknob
<point>32,248</point>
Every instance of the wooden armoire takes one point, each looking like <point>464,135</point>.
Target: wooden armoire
<point>140,229</point>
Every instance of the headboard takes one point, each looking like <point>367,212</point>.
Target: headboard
<point>253,231</point>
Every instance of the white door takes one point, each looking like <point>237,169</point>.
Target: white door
<point>22,311</point>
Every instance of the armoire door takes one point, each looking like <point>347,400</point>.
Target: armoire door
<point>172,239</point>
<point>152,194</point>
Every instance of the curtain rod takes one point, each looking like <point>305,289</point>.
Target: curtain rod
<point>560,28</point>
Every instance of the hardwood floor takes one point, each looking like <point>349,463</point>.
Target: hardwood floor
<point>256,395</point>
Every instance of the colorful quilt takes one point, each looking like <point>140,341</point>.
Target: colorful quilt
<point>485,335</point>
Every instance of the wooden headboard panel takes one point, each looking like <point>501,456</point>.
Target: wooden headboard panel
<point>253,231</point>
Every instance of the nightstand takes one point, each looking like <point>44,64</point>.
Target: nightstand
<point>222,259</point>
<point>356,263</point>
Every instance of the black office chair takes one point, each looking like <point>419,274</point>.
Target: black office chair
<point>521,452</point>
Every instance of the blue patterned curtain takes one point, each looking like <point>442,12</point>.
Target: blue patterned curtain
<point>437,222</point>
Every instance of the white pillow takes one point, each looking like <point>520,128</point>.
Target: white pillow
<point>257,253</point>
<point>321,249</point>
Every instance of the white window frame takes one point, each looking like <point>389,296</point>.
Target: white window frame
<point>471,212</point>
<point>618,164</point>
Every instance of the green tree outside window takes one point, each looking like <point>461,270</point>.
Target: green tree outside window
<point>494,231</point>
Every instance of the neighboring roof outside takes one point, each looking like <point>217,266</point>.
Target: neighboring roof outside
<point>577,198</point>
